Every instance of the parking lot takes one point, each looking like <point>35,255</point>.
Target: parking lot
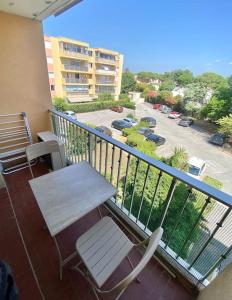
<point>193,139</point>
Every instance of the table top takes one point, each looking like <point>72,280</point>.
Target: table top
<point>66,195</point>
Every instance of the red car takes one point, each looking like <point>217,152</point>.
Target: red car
<point>156,106</point>
<point>174,115</point>
<point>118,109</point>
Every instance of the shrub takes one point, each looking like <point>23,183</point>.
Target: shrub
<point>134,139</point>
<point>59,104</point>
<point>130,115</point>
<point>97,105</point>
<point>213,182</point>
<point>105,97</point>
<point>124,97</point>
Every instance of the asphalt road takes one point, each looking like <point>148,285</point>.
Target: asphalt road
<point>193,139</point>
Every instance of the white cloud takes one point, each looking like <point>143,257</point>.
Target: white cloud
<point>230,63</point>
<point>209,64</point>
<point>218,60</point>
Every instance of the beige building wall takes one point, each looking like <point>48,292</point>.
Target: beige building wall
<point>24,82</point>
<point>220,288</point>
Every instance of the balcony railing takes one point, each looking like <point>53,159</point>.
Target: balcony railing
<point>77,93</point>
<point>102,81</point>
<point>76,80</point>
<point>76,68</point>
<point>196,217</point>
<point>75,54</point>
<point>102,71</point>
<point>105,60</point>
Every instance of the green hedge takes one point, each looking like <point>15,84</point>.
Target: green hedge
<point>90,106</point>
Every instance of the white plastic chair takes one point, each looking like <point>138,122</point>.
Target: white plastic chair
<point>39,149</point>
<point>103,247</point>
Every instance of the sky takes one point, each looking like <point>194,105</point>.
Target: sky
<point>154,35</point>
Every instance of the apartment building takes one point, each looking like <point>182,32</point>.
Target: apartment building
<point>80,73</point>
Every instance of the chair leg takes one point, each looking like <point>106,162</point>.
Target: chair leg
<point>99,211</point>
<point>132,267</point>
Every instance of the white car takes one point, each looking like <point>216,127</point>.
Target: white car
<point>130,121</point>
<point>71,114</point>
<point>197,167</point>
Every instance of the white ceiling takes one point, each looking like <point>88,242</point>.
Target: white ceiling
<point>36,9</point>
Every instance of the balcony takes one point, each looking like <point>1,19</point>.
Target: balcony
<point>106,72</point>
<point>76,80</point>
<point>68,67</point>
<point>74,54</point>
<point>106,61</point>
<point>105,81</point>
<point>123,167</point>
<point>76,93</point>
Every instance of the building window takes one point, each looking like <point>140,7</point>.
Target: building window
<point>52,87</point>
<point>49,60</point>
<point>48,44</point>
<point>51,75</point>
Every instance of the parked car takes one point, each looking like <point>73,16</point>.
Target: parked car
<point>185,122</point>
<point>174,115</point>
<point>118,108</point>
<point>157,139</point>
<point>166,110</point>
<point>150,120</point>
<point>156,106</point>
<point>71,114</point>
<point>120,124</point>
<point>130,121</point>
<point>197,167</point>
<point>104,129</point>
<point>163,107</point>
<point>145,131</point>
<point>217,139</point>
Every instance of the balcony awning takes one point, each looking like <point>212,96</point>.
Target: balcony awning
<point>36,9</point>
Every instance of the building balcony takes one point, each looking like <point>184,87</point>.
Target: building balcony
<point>106,61</point>
<point>73,54</point>
<point>192,256</point>
<point>77,93</point>
<point>105,82</point>
<point>76,80</point>
<point>67,67</point>
<point>105,72</point>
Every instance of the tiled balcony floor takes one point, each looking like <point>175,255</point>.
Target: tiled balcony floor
<point>156,283</point>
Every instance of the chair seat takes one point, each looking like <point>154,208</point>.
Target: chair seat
<point>102,248</point>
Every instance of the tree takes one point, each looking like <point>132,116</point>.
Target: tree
<point>213,110</point>
<point>128,83</point>
<point>225,124</point>
<point>193,107</point>
<point>167,85</point>
<point>195,92</point>
<point>148,75</point>
<point>179,159</point>
<point>183,77</point>
<point>212,80</point>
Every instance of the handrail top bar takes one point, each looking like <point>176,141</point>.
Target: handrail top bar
<point>11,115</point>
<point>210,191</point>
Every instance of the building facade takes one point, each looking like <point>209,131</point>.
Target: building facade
<point>79,73</point>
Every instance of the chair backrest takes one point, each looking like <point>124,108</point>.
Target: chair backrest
<point>39,149</point>
<point>152,245</point>
<point>2,181</point>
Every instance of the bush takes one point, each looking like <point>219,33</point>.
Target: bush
<point>134,139</point>
<point>124,97</point>
<point>213,182</point>
<point>105,97</point>
<point>59,104</point>
<point>130,115</point>
<point>97,105</point>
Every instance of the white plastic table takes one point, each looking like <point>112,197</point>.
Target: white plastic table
<point>66,195</point>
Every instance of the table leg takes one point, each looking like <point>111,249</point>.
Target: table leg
<point>63,262</point>
<point>60,258</point>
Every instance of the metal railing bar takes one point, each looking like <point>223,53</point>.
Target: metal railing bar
<point>106,159</point>
<point>100,159</point>
<point>112,164</point>
<point>217,263</point>
<point>134,184</point>
<point>169,199</point>
<point>179,217</point>
<point>125,181</point>
<point>218,195</point>
<point>144,187</point>
<point>153,199</point>
<point>207,201</point>
<point>218,226</point>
